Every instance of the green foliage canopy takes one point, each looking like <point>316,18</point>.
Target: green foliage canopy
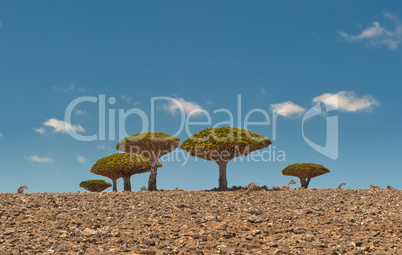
<point>95,185</point>
<point>147,136</point>
<point>95,182</point>
<point>229,139</point>
<point>122,159</point>
<point>305,170</point>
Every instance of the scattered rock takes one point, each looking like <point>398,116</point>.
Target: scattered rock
<point>286,221</point>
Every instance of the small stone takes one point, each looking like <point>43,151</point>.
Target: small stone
<point>254,219</point>
<point>208,218</point>
<point>89,232</point>
<point>299,230</point>
<point>357,244</point>
<point>9,231</point>
<point>115,233</point>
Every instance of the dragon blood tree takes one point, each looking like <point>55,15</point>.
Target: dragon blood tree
<point>222,144</point>
<point>152,145</point>
<point>95,185</point>
<point>122,165</point>
<point>305,171</point>
<point>106,172</point>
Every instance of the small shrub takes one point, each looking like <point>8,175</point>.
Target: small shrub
<point>20,190</point>
<point>234,188</point>
<point>340,185</point>
<point>251,187</point>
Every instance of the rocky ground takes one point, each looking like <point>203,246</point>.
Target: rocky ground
<point>292,221</point>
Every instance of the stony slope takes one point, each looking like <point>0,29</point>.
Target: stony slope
<point>198,222</point>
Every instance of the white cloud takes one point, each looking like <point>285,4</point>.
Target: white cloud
<point>38,159</point>
<point>82,159</point>
<point>378,35</point>
<point>71,87</point>
<point>129,100</point>
<point>1,134</point>
<point>59,126</point>
<point>263,91</point>
<point>348,101</point>
<point>288,109</point>
<point>40,130</point>
<point>80,112</point>
<point>187,106</point>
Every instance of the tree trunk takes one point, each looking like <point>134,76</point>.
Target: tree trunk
<point>305,182</point>
<point>308,182</point>
<point>114,185</point>
<point>152,177</point>
<point>223,183</point>
<point>127,183</point>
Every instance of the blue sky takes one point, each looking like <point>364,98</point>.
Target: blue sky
<point>286,54</point>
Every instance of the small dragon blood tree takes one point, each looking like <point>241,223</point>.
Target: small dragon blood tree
<point>95,185</point>
<point>222,144</point>
<point>152,145</point>
<point>122,165</point>
<point>305,171</point>
<point>101,168</point>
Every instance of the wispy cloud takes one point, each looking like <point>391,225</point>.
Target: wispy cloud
<point>82,159</point>
<point>1,135</point>
<point>41,130</point>
<point>129,100</point>
<point>38,159</point>
<point>378,35</point>
<point>348,101</point>
<point>71,87</point>
<point>288,109</point>
<point>80,112</point>
<point>101,147</point>
<point>188,107</point>
<point>58,126</point>
<point>263,91</point>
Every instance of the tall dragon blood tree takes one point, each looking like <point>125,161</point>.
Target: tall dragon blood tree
<point>122,165</point>
<point>152,145</point>
<point>305,171</point>
<point>222,144</point>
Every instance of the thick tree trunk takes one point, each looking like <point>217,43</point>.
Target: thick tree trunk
<point>223,183</point>
<point>302,182</point>
<point>114,185</point>
<point>127,183</point>
<point>152,176</point>
<point>305,182</point>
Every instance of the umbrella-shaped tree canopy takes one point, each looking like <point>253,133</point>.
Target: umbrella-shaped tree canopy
<point>222,144</point>
<point>122,165</point>
<point>95,185</point>
<point>305,171</point>
<point>101,168</point>
<point>149,144</point>
<point>152,145</point>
